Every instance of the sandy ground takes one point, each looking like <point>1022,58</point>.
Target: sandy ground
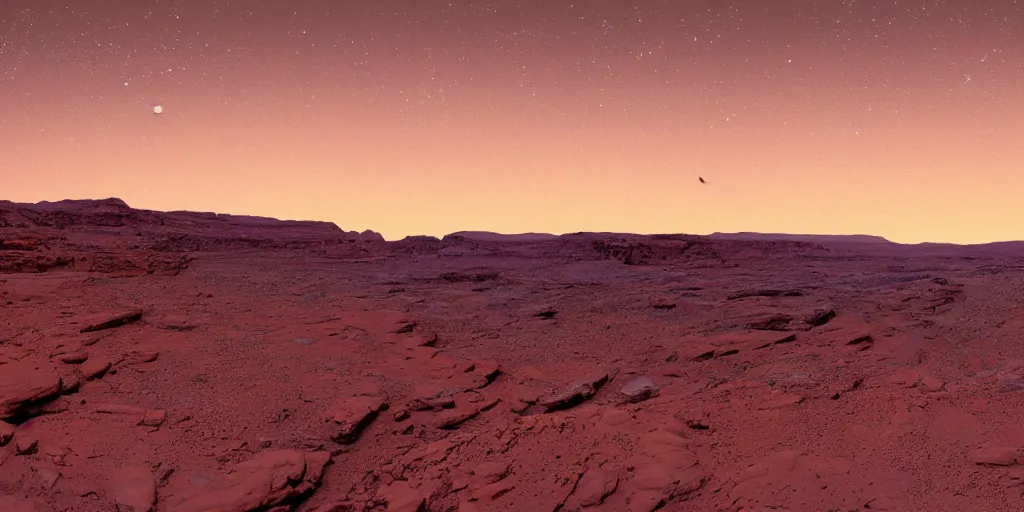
<point>595,372</point>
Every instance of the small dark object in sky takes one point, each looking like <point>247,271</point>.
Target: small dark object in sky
<point>701,179</point>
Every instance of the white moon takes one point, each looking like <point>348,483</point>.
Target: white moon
<point>158,109</point>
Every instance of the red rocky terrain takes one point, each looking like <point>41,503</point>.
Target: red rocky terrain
<point>188,362</point>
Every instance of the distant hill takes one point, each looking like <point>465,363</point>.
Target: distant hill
<point>860,239</point>
<point>488,236</point>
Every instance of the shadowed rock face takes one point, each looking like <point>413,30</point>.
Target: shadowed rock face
<point>192,362</point>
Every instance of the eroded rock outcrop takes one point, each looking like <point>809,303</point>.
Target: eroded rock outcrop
<point>268,479</point>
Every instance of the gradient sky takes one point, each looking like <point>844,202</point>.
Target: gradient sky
<point>898,118</point>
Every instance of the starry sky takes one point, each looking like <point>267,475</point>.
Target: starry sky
<point>899,118</point>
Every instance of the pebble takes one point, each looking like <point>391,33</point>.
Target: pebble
<point>6,433</point>
<point>639,389</point>
<point>73,357</point>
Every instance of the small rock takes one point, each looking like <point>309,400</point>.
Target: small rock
<point>22,384</point>
<point>181,323</point>
<point>653,483</point>
<point>703,354</point>
<point>778,322</point>
<point>861,338</point>
<point>165,475</point>
<point>697,425</point>
<point>71,381</point>
<point>401,415</point>
<point>56,406</point>
<point>113,320</point>
<point>995,456</point>
<point>490,472</point>
<point>452,419</point>
<point>639,389</point>
<point>73,357</point>
<point>339,506</point>
<point>406,327</point>
<point>488,371</point>
<point>905,377</point>
<point>882,503</point>
<point>147,356</point>
<point>95,368</point>
<point>468,506</point>
<point>441,400</point>
<point>931,385</point>
<point>316,462</point>
<point>153,418</point>
<point>47,477</point>
<point>421,340</point>
<point>821,317</point>
<point>350,416</point>
<point>492,491</point>
<point>593,487</point>
<point>489,404</point>
<point>26,446</point>
<point>422,353</point>
<point>94,339</point>
<point>473,396</point>
<point>764,293</point>
<point>847,388</point>
<point>6,433</point>
<point>573,394</point>
<point>269,479</point>
<point>111,408</point>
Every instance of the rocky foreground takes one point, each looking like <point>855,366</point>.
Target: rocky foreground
<point>188,362</point>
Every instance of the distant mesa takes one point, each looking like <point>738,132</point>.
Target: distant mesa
<point>421,238</point>
<point>55,231</point>
<point>488,236</point>
<point>50,234</point>
<point>111,203</point>
<point>749,236</point>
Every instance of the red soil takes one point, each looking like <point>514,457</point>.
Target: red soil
<point>192,362</point>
